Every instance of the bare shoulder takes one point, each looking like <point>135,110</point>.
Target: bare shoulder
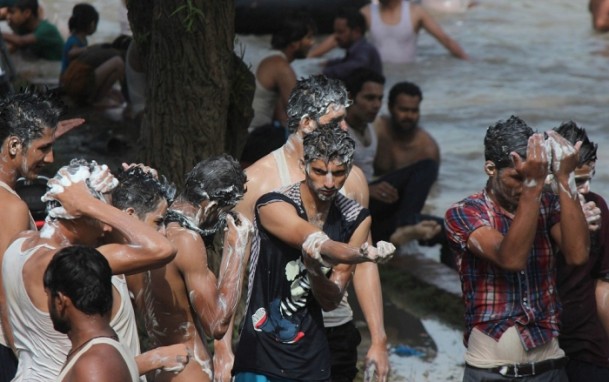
<point>365,10</point>
<point>101,363</point>
<point>356,186</point>
<point>429,144</point>
<point>261,178</point>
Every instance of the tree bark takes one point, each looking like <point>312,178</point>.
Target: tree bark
<point>198,97</point>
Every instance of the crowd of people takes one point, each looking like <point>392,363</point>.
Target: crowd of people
<point>328,189</point>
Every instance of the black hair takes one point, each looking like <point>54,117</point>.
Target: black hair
<point>84,275</point>
<point>83,15</point>
<point>218,179</point>
<point>355,19</point>
<point>141,191</point>
<point>328,143</point>
<point>27,113</point>
<point>24,5</point>
<point>404,87</point>
<point>293,28</point>
<point>505,137</point>
<point>312,96</point>
<point>573,133</point>
<point>356,80</point>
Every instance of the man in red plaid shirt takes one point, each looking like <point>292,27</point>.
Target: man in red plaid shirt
<point>505,239</point>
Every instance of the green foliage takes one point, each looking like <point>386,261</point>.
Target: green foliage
<point>192,14</point>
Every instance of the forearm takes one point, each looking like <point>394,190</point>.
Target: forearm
<point>516,246</point>
<point>329,291</point>
<point>367,285</point>
<point>575,236</point>
<point>342,253</point>
<point>455,49</point>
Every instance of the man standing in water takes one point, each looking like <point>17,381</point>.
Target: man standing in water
<point>184,301</point>
<point>317,101</point>
<point>27,130</point>
<point>504,240</point>
<point>300,232</point>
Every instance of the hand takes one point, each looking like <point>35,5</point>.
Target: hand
<point>377,363</point>
<point>146,169</point>
<point>423,230</point>
<point>102,180</point>
<point>70,190</point>
<point>382,252</point>
<point>535,168</point>
<point>223,363</point>
<point>67,125</point>
<point>565,156</point>
<point>238,230</point>
<point>592,214</point>
<point>384,192</point>
<point>173,358</point>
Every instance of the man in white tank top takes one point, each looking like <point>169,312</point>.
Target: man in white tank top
<point>26,259</point>
<point>315,101</point>
<point>79,293</point>
<point>26,149</point>
<point>394,27</point>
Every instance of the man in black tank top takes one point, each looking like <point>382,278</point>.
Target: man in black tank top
<point>300,265</point>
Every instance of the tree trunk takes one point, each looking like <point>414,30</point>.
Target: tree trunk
<point>187,48</point>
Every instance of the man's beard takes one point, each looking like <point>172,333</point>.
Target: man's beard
<point>59,324</point>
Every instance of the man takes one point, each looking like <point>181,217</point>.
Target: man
<point>406,165</point>
<point>349,32</point>
<point>283,332</point>
<point>275,77</point>
<point>26,149</point>
<point>317,101</point>
<point>79,295</point>
<point>81,218</point>
<point>184,300</point>
<point>38,36</point>
<point>365,88</point>
<point>584,290</point>
<point>505,239</point>
<point>395,26</point>
<point>599,10</point>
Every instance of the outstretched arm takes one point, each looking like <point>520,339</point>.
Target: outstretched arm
<point>425,21</point>
<point>214,300</point>
<point>171,358</point>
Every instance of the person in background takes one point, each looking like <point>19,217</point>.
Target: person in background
<point>32,33</point>
<point>88,73</point>
<point>599,10</point>
<point>349,32</point>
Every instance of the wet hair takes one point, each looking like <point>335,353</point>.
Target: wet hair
<point>355,19</point>
<point>293,28</point>
<point>83,15</point>
<point>404,87</point>
<point>24,5</point>
<point>27,113</point>
<point>355,82</point>
<point>573,133</point>
<point>141,191</point>
<point>73,168</point>
<point>328,143</point>
<point>505,137</point>
<point>312,96</point>
<point>84,275</point>
<point>218,179</point>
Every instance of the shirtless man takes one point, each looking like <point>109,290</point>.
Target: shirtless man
<point>599,10</point>
<point>275,77</point>
<point>319,101</point>
<point>185,302</point>
<point>406,163</point>
<point>79,292</point>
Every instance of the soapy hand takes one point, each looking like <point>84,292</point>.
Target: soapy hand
<point>592,214</point>
<point>383,251</point>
